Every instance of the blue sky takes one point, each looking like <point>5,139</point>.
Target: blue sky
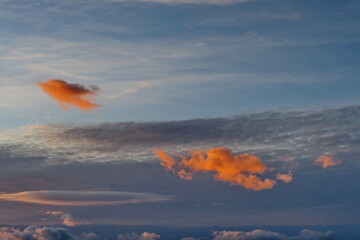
<point>168,61</point>
<point>272,78</point>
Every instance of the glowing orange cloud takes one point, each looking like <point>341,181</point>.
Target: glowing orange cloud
<point>166,161</point>
<point>67,94</point>
<point>240,170</point>
<point>326,161</point>
<point>286,178</point>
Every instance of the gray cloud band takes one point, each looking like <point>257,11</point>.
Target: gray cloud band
<point>270,135</point>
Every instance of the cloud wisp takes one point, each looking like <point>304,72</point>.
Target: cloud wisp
<point>81,198</point>
<point>268,235</point>
<point>240,169</point>
<point>69,94</point>
<point>201,2</point>
<point>135,236</point>
<point>326,161</point>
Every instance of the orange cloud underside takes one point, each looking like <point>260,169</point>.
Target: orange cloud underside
<point>67,94</point>
<point>326,161</point>
<point>240,169</point>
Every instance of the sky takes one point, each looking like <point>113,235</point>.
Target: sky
<point>234,116</point>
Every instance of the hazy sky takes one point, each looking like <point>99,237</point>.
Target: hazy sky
<point>180,113</point>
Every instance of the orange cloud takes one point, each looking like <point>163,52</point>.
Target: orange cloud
<point>166,161</point>
<point>286,178</point>
<point>240,169</point>
<point>326,161</point>
<point>67,94</point>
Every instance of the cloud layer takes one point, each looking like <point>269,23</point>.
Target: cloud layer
<point>56,233</point>
<point>239,169</point>
<point>42,233</point>
<point>202,2</point>
<point>81,198</point>
<point>267,235</point>
<point>68,94</point>
<point>271,136</point>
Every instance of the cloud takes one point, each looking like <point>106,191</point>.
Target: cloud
<point>268,235</point>
<point>326,161</point>
<point>42,233</point>
<point>239,169</point>
<point>69,220</point>
<point>54,213</point>
<point>202,2</point>
<point>135,236</point>
<point>67,94</point>
<point>286,178</point>
<point>81,198</point>
<point>272,136</point>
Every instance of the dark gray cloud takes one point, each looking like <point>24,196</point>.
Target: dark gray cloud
<point>273,136</point>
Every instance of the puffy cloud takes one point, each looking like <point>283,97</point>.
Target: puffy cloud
<point>135,236</point>
<point>42,233</point>
<point>68,94</point>
<point>69,220</point>
<point>238,169</point>
<point>268,235</point>
<point>81,198</point>
<point>326,161</point>
<point>285,177</point>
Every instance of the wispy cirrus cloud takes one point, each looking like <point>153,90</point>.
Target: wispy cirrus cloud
<point>81,198</point>
<point>200,2</point>
<point>70,94</point>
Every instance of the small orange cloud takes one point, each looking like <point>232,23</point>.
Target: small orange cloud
<point>326,161</point>
<point>166,161</point>
<point>240,169</point>
<point>68,94</point>
<point>286,178</point>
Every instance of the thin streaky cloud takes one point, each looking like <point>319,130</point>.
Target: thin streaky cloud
<point>200,2</point>
<point>81,198</point>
